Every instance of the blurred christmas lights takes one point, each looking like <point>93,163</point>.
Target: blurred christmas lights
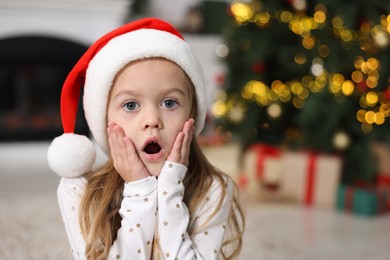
<point>361,84</point>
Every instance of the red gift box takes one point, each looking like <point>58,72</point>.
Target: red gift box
<point>310,178</point>
<point>383,183</point>
<point>382,153</point>
<point>262,162</point>
<point>261,167</point>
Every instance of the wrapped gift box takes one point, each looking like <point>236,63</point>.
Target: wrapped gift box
<point>262,163</point>
<point>383,183</point>
<point>382,153</point>
<point>261,167</point>
<point>362,200</point>
<point>310,178</point>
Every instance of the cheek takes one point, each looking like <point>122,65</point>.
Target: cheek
<point>173,128</point>
<point>129,130</point>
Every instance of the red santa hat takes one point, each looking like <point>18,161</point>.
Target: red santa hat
<point>72,155</point>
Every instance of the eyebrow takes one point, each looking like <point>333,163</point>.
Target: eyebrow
<point>136,93</point>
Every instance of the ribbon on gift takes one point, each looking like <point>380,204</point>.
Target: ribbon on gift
<point>383,180</point>
<point>382,201</point>
<point>263,151</point>
<point>310,180</point>
<point>349,194</point>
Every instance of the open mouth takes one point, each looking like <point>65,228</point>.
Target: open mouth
<point>152,148</point>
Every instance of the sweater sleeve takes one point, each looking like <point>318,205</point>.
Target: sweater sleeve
<point>69,195</point>
<point>138,212</point>
<point>208,226</point>
<point>134,237</point>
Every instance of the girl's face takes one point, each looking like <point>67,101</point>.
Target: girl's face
<point>150,100</point>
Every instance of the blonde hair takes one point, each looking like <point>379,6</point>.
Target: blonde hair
<point>99,208</point>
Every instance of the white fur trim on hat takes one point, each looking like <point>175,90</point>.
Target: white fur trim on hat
<point>117,53</point>
<point>71,155</point>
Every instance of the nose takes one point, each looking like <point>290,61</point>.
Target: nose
<point>152,120</point>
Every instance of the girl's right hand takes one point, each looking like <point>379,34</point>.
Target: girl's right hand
<point>123,153</point>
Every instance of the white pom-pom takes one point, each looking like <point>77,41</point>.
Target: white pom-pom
<point>71,155</point>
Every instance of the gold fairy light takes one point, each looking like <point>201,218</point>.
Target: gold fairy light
<point>363,102</point>
<point>374,73</point>
<point>262,19</point>
<point>246,93</point>
<point>366,127</point>
<point>307,81</point>
<point>346,35</point>
<point>277,86</point>
<point>320,16</point>
<point>321,80</point>
<point>372,81</point>
<point>388,23</point>
<point>358,62</point>
<point>372,64</point>
<point>296,88</point>
<point>324,51</point>
<point>263,100</point>
<point>385,109</point>
<point>337,22</point>
<point>242,12</point>
<point>259,88</point>
<point>296,26</point>
<point>300,58</point>
<point>370,117</point>
<point>335,83</point>
<point>304,94</point>
<point>364,68</point>
<point>372,98</point>
<point>298,102</point>
<point>357,76</point>
<point>360,115</point>
<point>219,109</point>
<point>286,16</point>
<point>308,42</point>
<point>347,87</point>
<point>379,118</point>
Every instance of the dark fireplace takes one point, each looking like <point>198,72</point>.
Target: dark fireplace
<point>32,71</point>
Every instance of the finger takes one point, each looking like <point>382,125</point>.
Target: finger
<point>130,149</point>
<point>188,135</point>
<point>175,154</point>
<point>119,135</point>
<point>111,139</point>
<point>134,160</point>
<point>117,146</point>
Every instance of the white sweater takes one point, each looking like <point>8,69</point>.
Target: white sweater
<point>154,205</point>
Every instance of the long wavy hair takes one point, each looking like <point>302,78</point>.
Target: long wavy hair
<point>99,208</point>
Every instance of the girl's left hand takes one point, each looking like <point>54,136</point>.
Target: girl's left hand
<point>181,147</point>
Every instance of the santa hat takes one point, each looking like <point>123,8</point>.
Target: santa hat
<point>72,155</point>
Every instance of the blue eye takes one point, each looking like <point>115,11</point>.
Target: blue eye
<point>131,106</point>
<point>169,103</point>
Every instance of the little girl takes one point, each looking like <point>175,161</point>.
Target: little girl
<point>157,196</point>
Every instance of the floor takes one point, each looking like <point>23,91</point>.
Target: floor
<point>31,228</point>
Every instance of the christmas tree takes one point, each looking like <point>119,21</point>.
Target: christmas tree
<point>309,74</point>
